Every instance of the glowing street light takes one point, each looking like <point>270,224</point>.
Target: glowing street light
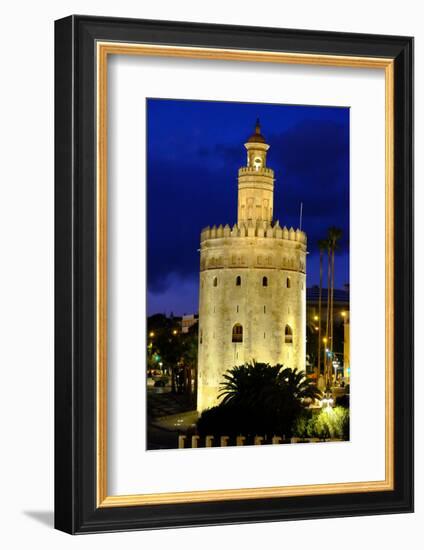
<point>327,401</point>
<point>335,366</point>
<point>151,334</point>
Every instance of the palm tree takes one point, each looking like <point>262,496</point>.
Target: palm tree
<point>322,245</point>
<point>295,383</point>
<point>327,322</point>
<point>265,399</point>
<point>189,358</point>
<point>249,384</point>
<point>334,235</point>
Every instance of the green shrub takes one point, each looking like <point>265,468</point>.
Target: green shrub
<point>303,426</point>
<point>332,423</point>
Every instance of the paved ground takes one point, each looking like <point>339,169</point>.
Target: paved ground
<point>161,402</point>
<point>169,415</point>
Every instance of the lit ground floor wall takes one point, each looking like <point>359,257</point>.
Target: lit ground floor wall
<point>263,312</point>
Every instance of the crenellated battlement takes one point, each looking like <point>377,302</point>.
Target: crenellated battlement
<point>261,229</point>
<point>252,170</point>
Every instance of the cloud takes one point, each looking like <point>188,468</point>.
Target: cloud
<point>181,201</point>
<point>179,297</point>
<point>312,166</point>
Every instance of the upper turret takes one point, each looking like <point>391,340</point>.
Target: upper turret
<point>257,137</point>
<point>255,182</point>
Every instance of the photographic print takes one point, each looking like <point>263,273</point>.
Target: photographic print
<point>248,274</point>
<point>206,234</point>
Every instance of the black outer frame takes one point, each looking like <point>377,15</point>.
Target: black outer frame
<point>75,275</point>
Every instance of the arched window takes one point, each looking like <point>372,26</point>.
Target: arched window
<point>288,282</point>
<point>237,333</point>
<point>201,336</point>
<point>264,281</point>
<point>215,281</point>
<point>238,280</point>
<point>288,335</point>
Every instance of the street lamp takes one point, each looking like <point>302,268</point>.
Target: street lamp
<point>151,334</point>
<point>324,340</point>
<point>335,366</point>
<point>327,400</point>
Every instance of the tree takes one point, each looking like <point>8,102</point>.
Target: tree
<point>330,245</point>
<point>334,235</point>
<point>327,322</point>
<point>189,350</point>
<point>259,399</point>
<point>164,344</point>
<point>322,245</point>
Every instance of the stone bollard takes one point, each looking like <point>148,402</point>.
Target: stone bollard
<point>181,441</point>
<point>240,439</point>
<point>276,439</point>
<point>258,440</point>
<point>194,441</point>
<point>224,440</point>
<point>209,441</point>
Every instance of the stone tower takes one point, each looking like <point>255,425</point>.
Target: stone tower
<point>252,294</point>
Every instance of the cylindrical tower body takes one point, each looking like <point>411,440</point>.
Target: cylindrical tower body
<point>257,283</point>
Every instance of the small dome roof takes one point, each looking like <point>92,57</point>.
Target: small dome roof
<point>257,137</point>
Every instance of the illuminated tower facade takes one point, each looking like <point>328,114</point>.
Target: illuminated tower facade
<point>252,293</point>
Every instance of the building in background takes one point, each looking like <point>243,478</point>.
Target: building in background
<point>187,321</point>
<point>252,294</point>
<point>346,348</point>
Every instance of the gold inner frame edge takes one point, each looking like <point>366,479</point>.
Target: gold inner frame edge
<point>103,49</point>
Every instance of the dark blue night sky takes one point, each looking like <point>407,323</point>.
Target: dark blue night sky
<point>194,149</point>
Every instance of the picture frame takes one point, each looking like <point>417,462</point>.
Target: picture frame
<point>83,45</point>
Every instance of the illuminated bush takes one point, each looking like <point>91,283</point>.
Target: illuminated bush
<point>332,423</point>
<point>327,424</point>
